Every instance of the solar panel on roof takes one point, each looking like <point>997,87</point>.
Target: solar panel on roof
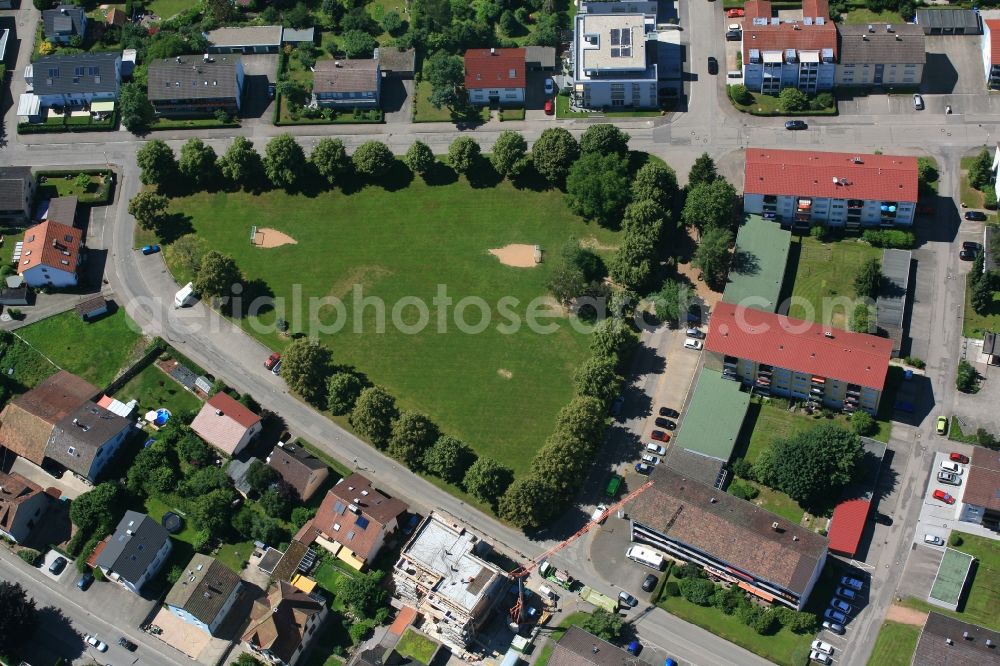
<point>361,522</point>
<point>339,507</point>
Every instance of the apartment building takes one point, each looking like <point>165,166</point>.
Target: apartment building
<point>877,55</point>
<point>800,188</point>
<point>194,85</point>
<point>791,358</point>
<point>611,63</point>
<point>495,77</point>
<point>991,52</point>
<point>732,539</point>
<point>792,54</point>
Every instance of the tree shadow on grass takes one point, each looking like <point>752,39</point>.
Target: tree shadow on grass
<point>530,179</point>
<point>483,175</point>
<point>175,226</point>
<point>440,174</point>
<point>256,299</point>
<point>397,177</point>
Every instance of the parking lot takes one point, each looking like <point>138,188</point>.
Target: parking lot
<point>938,518</point>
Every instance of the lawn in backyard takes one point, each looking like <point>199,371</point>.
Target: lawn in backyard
<point>498,392</point>
<point>974,324</point>
<point>23,366</point>
<point>234,555</point>
<point>895,644</point>
<point>153,388</point>
<point>823,287</point>
<point>425,112</point>
<point>981,603</point>
<point>417,646</point>
<point>95,350</point>
<point>867,16</point>
<point>572,620</point>
<point>167,8</point>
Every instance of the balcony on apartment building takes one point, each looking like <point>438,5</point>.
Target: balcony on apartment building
<point>887,213</point>
<point>803,212</point>
<point>729,368</point>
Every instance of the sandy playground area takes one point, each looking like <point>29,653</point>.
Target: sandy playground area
<point>517,255</point>
<point>267,237</point>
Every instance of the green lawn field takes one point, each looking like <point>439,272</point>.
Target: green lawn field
<point>974,325</point>
<point>825,272</point>
<point>153,388</point>
<point>94,350</point>
<point>895,645</point>
<point>499,392</point>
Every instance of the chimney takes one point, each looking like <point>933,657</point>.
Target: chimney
<point>493,51</point>
<point>949,641</point>
<point>966,636</point>
<point>774,526</point>
<point>128,532</point>
<point>336,63</point>
<point>864,38</point>
<point>888,28</point>
<point>871,28</point>
<point>713,500</point>
<point>899,38</point>
<point>218,412</point>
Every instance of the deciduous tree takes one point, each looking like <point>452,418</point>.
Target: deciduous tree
<point>868,279</point>
<point>412,435</point>
<point>554,153</point>
<point>710,205</point>
<point>712,255</point>
<point>330,158</point>
<point>373,414</point>
<point>357,44</point>
<point>596,377</point>
<point>149,210</point>
<point>241,163</point>
<point>362,593</point>
<point>486,480</point>
<point>449,458</point>
<point>792,99</point>
<point>528,502</point>
<point>157,163</point>
<point>136,111</point>
<point>604,625</point>
<point>216,275</point>
<point>672,301</point>
<point>419,158</point>
<point>613,337</point>
<point>597,187</point>
<point>283,160</point>
<point>509,156</point>
<point>372,158</point>
<point>19,618</point>
<point>702,171</point>
<point>304,367</point>
<point>197,162</point>
<point>96,510</point>
<point>463,154</point>
<point>656,182</point>
<point>343,390</point>
<point>604,139</point>
<point>446,74</point>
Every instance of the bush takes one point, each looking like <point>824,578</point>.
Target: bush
<point>743,468</point>
<point>863,423</point>
<point>967,380</point>
<point>955,540</point>
<point>891,238</point>
<point>30,556</point>
<point>740,94</point>
<point>689,571</point>
<point>697,590</point>
<point>990,200</point>
<point>671,589</point>
<point>743,490</point>
<point>915,362</point>
<point>359,631</point>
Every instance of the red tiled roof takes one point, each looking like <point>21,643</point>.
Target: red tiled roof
<point>994,26</point>
<point>50,244</point>
<point>233,409</point>
<point>816,9</point>
<point>811,174</point>
<point>363,532</point>
<point>757,8</point>
<point>492,68</point>
<point>784,36</point>
<point>847,525</point>
<point>798,345</point>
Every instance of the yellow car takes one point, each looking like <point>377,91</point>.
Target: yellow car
<point>942,425</point>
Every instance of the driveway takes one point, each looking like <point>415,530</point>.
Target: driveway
<point>936,517</point>
<point>258,71</point>
<point>397,100</point>
<point>68,484</point>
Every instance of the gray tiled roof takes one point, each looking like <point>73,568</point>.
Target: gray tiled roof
<point>578,647</point>
<point>57,75</point>
<point>203,588</point>
<point>85,430</point>
<point>934,646</point>
<point>14,181</point>
<point>190,77</point>
<point>63,19</point>
<point>904,45</point>
<point>130,555</point>
<point>345,76</point>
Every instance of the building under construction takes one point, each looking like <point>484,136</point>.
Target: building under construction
<point>441,572</point>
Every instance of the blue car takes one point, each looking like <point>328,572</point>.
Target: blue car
<point>643,468</point>
<point>85,581</point>
<point>150,249</point>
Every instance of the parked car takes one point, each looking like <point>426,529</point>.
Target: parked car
<point>959,458</point>
<point>942,496</point>
<point>660,436</point>
<point>627,600</point>
<point>127,644</point>
<point>643,468</point>
<point>967,255</point>
<point>694,333</point>
<point>933,540</point>
<point>550,107</point>
<point>648,583</point>
<point>833,627</point>
<point>277,368</point>
<point>272,360</point>
<point>840,605</point>
<point>550,87</point>
<point>834,615</point>
<point>656,448</point>
<point>57,566</point>
<point>734,26</point>
<point>150,249</point>
<point>713,65</point>
<point>734,13</point>
<point>972,245</point>
<point>666,423</point>
<point>822,647</point>
<point>97,643</point>
<point>733,35</point>
<point>950,466</point>
<point>86,580</point>
<point>691,343</point>
<point>942,425</point>
<point>598,514</point>
<point>949,478</point>
<point>634,648</point>
<point>918,102</point>
<point>650,459</point>
<point>853,583</point>
<point>847,593</point>
<point>975,215</point>
<point>796,125</point>
<point>819,657</point>
<point>694,313</point>
<point>666,411</point>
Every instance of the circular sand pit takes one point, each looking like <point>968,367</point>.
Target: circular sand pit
<point>267,237</point>
<point>518,255</point>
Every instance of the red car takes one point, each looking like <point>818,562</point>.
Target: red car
<point>734,13</point>
<point>959,458</point>
<point>550,107</point>
<point>944,497</point>
<point>271,360</point>
<point>660,436</point>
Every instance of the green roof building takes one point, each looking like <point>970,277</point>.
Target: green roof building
<point>758,268</point>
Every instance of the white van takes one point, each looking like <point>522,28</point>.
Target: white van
<point>645,556</point>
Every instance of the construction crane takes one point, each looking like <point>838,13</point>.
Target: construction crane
<point>522,572</point>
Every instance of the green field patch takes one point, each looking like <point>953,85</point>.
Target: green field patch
<point>895,644</point>
<point>823,287</point>
<point>154,388</point>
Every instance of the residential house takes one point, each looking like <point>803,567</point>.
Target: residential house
<point>354,520</point>
<point>951,21</point>
<point>442,573</point>
<point>791,358</point>
<point>22,504</point>
<point>578,647</point>
<point>64,23</point>
<point>495,77</point>
<point>85,440</point>
<point>226,424</point>
<point>204,594</point>
<point>732,539</point>
<point>116,17</point>
<point>50,255</point>
<point>62,210</point>
<point>347,84</point>
<point>246,40</point>
<point>26,422</point>
<point>74,80</point>
<point>195,85</point>
<point>980,502</point>
<point>396,62</point>
<point>17,190</point>
<point>802,188</point>
<point>298,37</point>
<point>799,54</point>
<point>283,624</point>
<point>136,551</point>
<point>300,469</point>
<point>946,641</point>
<point>610,64</point>
<point>991,52</point>
<point>880,55</point>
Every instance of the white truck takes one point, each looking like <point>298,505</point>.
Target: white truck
<point>185,296</point>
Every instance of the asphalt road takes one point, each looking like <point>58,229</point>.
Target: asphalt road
<point>709,125</point>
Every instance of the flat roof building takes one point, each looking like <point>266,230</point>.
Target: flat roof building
<point>249,39</point>
<point>893,293</point>
<point>349,84</point>
<point>948,21</point>
<point>757,271</point>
